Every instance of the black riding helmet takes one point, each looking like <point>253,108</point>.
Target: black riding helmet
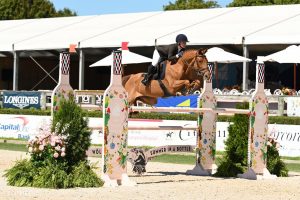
<point>181,38</point>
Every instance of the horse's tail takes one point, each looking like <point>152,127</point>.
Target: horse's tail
<point>125,79</point>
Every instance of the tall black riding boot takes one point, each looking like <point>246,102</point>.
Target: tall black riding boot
<point>148,76</point>
<point>147,79</point>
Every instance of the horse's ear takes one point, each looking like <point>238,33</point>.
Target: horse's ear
<point>202,51</point>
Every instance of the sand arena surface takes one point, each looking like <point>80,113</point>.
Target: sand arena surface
<point>162,181</point>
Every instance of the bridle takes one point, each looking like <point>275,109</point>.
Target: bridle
<point>191,64</point>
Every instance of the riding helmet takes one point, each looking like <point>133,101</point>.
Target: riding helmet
<point>181,38</point>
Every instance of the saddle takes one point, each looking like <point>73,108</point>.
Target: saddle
<point>160,71</point>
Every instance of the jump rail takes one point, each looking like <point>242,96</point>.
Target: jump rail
<point>115,128</point>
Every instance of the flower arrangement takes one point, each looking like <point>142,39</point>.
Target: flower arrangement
<point>288,91</point>
<point>47,142</point>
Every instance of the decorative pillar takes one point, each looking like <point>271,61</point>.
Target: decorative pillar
<point>63,88</point>
<point>115,128</point>
<point>206,134</point>
<point>258,130</point>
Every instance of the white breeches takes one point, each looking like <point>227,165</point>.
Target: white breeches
<point>155,58</point>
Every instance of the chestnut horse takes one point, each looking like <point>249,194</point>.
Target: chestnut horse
<point>188,72</point>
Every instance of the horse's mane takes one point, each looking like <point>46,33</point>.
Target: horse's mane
<point>189,54</point>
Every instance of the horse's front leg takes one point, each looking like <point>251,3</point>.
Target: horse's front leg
<point>179,84</point>
<point>195,85</point>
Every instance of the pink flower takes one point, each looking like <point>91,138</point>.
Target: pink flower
<point>53,143</point>
<point>63,154</point>
<point>41,147</point>
<point>57,148</point>
<point>63,149</point>
<point>55,155</point>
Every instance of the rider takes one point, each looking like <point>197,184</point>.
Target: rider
<point>171,52</point>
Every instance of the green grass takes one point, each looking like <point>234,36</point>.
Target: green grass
<point>294,167</point>
<point>175,158</point>
<point>290,158</point>
<point>166,158</point>
<point>13,147</point>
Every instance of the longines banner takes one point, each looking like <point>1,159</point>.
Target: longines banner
<point>21,100</point>
<point>27,126</point>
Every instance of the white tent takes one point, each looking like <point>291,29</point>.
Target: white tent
<point>239,25</point>
<point>253,25</point>
<point>127,58</point>
<point>216,54</point>
<point>289,55</point>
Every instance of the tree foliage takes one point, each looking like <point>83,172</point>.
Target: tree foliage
<point>191,4</point>
<point>238,3</point>
<point>29,9</point>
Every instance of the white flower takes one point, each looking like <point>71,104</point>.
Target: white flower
<point>63,154</point>
<point>30,149</point>
<point>55,155</point>
<point>41,147</point>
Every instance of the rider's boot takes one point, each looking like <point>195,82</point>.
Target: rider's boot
<point>148,76</point>
<point>147,79</point>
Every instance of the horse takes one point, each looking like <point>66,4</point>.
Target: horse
<point>188,72</point>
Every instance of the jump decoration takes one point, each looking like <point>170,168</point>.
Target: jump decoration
<point>206,136</point>
<point>63,88</point>
<point>115,128</point>
<point>258,130</point>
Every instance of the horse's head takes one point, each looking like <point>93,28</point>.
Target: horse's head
<point>196,63</point>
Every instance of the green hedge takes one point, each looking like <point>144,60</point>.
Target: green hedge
<point>165,116</point>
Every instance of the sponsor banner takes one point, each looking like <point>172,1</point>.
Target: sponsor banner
<point>27,126</point>
<point>21,100</point>
<point>293,106</point>
<point>22,126</point>
<point>288,137</point>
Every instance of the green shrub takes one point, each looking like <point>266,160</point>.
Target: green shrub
<point>84,176</point>
<point>235,159</point>
<point>165,116</point>
<point>58,157</point>
<point>52,175</point>
<point>70,122</point>
<point>274,164</point>
<point>21,174</point>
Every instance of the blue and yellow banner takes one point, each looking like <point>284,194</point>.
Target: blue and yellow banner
<point>178,101</point>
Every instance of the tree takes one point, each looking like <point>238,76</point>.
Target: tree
<point>191,4</point>
<point>28,9</point>
<point>238,3</point>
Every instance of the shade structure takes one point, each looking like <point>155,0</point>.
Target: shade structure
<point>128,57</point>
<point>289,55</point>
<point>218,55</point>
